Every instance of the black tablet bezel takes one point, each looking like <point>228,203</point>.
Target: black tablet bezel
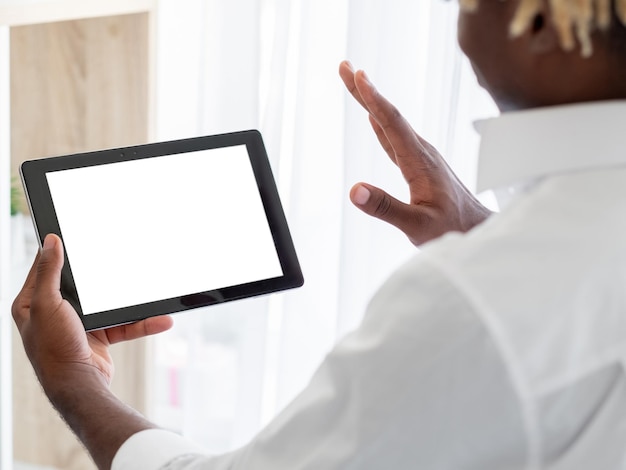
<point>33,174</point>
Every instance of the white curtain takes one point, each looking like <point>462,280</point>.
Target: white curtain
<point>223,66</point>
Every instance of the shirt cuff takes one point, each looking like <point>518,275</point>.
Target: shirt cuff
<point>152,449</point>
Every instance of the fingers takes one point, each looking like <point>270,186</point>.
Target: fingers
<point>401,143</point>
<point>346,72</point>
<point>398,136</point>
<point>348,75</point>
<point>147,327</point>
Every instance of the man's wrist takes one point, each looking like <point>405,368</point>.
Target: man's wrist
<point>99,419</point>
<point>67,385</point>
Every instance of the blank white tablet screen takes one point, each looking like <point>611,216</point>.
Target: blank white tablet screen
<point>157,228</point>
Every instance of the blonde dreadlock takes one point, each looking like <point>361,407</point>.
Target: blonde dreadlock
<point>574,19</point>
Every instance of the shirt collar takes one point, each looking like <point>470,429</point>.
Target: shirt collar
<point>519,147</point>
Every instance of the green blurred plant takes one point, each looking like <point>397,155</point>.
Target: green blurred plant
<point>15,197</point>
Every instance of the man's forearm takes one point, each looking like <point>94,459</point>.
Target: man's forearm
<point>99,419</point>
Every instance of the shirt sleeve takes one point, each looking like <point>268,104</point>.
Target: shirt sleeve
<point>420,384</point>
<point>154,448</point>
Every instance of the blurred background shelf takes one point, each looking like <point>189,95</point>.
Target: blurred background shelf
<point>21,12</point>
<point>78,76</point>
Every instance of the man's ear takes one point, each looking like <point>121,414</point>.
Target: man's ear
<point>543,37</point>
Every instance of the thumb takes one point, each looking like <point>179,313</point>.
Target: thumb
<point>377,203</point>
<point>410,219</point>
<point>47,287</point>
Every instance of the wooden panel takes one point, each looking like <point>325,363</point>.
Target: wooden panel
<point>78,86</point>
<point>75,86</point>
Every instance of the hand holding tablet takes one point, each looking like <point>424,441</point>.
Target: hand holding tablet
<point>160,228</point>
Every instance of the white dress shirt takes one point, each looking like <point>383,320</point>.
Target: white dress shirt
<point>503,348</point>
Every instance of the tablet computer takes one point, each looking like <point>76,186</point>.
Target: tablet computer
<point>164,227</point>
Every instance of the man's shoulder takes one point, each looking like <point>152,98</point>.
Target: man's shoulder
<point>561,223</point>
<point>546,275</point>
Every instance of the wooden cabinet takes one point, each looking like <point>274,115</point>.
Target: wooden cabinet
<point>77,75</point>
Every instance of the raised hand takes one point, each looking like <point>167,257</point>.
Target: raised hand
<point>439,202</point>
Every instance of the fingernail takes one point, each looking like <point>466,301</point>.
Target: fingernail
<point>361,195</point>
<point>49,242</point>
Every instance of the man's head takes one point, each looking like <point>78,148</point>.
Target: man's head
<point>531,53</point>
